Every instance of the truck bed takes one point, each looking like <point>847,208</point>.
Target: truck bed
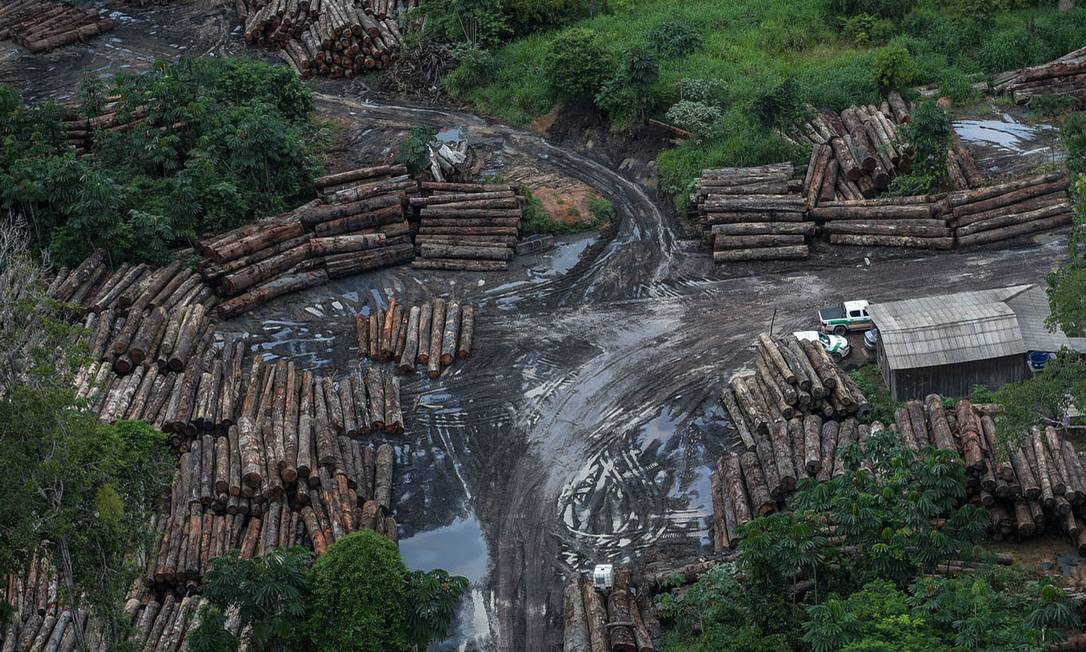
<point>836,312</point>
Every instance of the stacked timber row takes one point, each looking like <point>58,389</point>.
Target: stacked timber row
<point>917,221</point>
<point>753,213</point>
<point>337,38</point>
<point>467,226</point>
<point>428,337</point>
<point>358,224</point>
<point>113,116</point>
<point>855,154</point>
<point>38,621</point>
<point>1039,487</point>
<point>792,378</point>
<point>1009,210</point>
<point>1064,76</point>
<point>608,620</point>
<point>348,490</point>
<point>44,25</point>
<point>137,317</point>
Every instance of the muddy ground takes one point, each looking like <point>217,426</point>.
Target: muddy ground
<point>583,428</point>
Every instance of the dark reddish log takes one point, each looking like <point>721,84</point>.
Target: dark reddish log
<point>460,264</point>
<point>345,243</point>
<point>596,614</point>
<point>265,269</point>
<point>393,413</point>
<point>1009,198</point>
<point>618,612</point>
<point>270,290</point>
<point>451,333</point>
<point>411,343</point>
<point>348,264</point>
<point>956,199</point>
<point>359,175</point>
<point>812,444</point>
<point>382,488</point>
<point>575,630</point>
<point>375,389</point>
<point>1019,229</point>
<point>255,242</point>
<point>899,107</point>
<point>761,502</point>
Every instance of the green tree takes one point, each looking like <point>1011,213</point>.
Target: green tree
<point>211,635</point>
<point>431,598</point>
<point>271,594</point>
<point>358,596</point>
<point>221,141</point>
<point>415,151</point>
<point>1042,399</point>
<point>576,64</point>
<point>928,135</point>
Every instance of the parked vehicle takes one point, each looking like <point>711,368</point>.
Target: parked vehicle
<point>838,347</point>
<point>871,339</point>
<point>850,316</point>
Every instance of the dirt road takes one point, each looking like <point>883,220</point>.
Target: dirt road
<point>583,428</point>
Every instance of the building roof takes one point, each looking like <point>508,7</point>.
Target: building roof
<point>967,326</point>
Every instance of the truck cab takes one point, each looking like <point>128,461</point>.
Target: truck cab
<point>849,316</point>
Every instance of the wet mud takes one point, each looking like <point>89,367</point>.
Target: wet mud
<point>583,427</point>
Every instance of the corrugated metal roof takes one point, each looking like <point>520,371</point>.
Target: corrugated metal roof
<point>967,326</point>
<point>1032,309</point>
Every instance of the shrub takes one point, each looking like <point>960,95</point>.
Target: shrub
<point>475,69</point>
<point>865,30</point>
<point>1073,134</point>
<point>625,96</point>
<point>894,67</point>
<point>671,39</point>
<point>603,211</point>
<point>956,85</point>
<point>779,105</point>
<point>1053,106</point>
<point>415,151</point>
<point>358,595</point>
<point>478,23</point>
<point>1007,49</point>
<point>929,135</point>
<point>891,9</point>
<point>575,64</point>
<point>697,117</point>
<point>713,92</point>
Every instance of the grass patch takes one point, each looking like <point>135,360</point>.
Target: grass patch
<point>870,382</point>
<point>749,46</point>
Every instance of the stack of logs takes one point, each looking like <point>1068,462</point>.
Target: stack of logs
<point>855,153</point>
<point>431,336</point>
<point>1064,76</point>
<point>605,621</point>
<point>337,38</point>
<point>43,25</point>
<point>792,378</point>
<point>1040,486</point>
<point>916,221</point>
<point>1009,210</point>
<point>752,213</point>
<point>467,226</point>
<point>358,224</point>
<point>113,116</point>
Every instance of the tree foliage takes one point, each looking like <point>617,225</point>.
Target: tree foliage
<point>929,136</point>
<point>223,141</point>
<point>576,64</point>
<point>431,598</point>
<point>359,595</point>
<point>897,514</point>
<point>269,592</point>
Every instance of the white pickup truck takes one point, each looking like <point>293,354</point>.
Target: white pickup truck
<point>838,347</point>
<point>850,316</point>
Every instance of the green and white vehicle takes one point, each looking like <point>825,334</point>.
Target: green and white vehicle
<point>850,316</point>
<point>838,347</point>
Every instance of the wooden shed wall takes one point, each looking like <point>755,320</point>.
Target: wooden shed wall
<point>953,379</point>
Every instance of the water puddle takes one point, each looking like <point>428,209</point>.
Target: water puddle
<point>458,548</point>
<point>1006,133</point>
<point>450,135</point>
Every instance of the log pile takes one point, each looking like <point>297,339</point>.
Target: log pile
<point>611,620</point>
<point>342,489</point>
<point>855,153</point>
<point>466,226</point>
<point>916,221</point>
<point>1064,76</point>
<point>1039,487</point>
<point>336,38</point>
<point>44,25</point>
<point>358,224</point>
<point>1012,209</point>
<point>426,338</point>
<point>752,213</point>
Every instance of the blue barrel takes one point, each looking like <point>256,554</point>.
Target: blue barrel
<point>1038,359</point>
